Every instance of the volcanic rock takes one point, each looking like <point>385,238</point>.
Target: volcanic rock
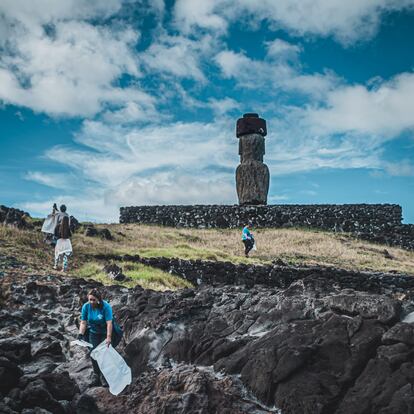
<point>13,217</point>
<point>305,341</point>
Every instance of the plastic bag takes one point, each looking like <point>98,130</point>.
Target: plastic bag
<point>113,367</point>
<point>254,246</point>
<point>81,343</point>
<point>49,224</point>
<point>409,318</point>
<point>63,246</point>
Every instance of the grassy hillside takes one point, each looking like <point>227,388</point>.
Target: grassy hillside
<point>293,246</point>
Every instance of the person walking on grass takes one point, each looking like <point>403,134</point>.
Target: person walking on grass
<point>96,317</point>
<point>63,248</point>
<point>60,215</point>
<point>248,240</point>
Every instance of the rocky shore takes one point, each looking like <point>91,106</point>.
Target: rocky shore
<point>309,345</point>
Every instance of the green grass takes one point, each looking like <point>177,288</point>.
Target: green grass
<point>190,253</point>
<point>145,276</point>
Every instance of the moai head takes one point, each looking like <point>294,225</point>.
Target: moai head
<point>251,124</point>
<point>251,131</point>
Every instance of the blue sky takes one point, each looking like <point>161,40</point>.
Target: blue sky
<point>123,102</point>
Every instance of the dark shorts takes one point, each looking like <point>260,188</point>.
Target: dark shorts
<point>96,338</point>
<point>248,245</point>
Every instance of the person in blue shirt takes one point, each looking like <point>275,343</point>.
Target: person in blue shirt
<point>248,240</point>
<point>97,317</point>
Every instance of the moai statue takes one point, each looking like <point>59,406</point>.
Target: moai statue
<point>252,176</point>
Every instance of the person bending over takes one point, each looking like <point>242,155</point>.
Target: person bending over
<point>96,318</point>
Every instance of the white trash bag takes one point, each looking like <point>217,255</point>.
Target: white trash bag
<point>113,367</point>
<point>254,248</point>
<point>81,343</point>
<point>49,224</point>
<point>409,318</point>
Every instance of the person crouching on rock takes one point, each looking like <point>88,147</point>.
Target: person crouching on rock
<point>97,316</point>
<point>63,248</point>
<point>247,239</point>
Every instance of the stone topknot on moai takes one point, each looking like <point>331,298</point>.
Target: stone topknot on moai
<point>252,176</point>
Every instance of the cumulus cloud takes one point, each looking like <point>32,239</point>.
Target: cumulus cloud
<point>385,110</point>
<point>276,72</point>
<point>190,14</point>
<point>178,56</point>
<point>54,60</point>
<point>279,47</point>
<point>31,15</point>
<point>348,21</point>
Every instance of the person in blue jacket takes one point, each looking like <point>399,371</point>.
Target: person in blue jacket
<point>97,317</point>
<point>248,240</point>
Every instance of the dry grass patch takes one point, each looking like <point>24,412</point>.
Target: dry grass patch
<point>26,246</point>
<point>294,246</point>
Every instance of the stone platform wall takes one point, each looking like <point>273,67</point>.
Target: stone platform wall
<point>376,222</point>
<point>336,217</point>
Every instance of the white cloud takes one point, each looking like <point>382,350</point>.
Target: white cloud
<point>174,164</point>
<point>86,206</point>
<point>60,181</point>
<point>347,21</point>
<point>275,73</point>
<point>234,64</point>
<point>101,204</point>
<point>54,60</point>
<point>32,14</point>
<point>221,106</point>
<point>292,147</point>
<point>71,73</point>
<point>175,188</point>
<point>404,168</point>
<point>133,112</point>
<point>192,13</point>
<point>386,110</point>
<point>178,56</point>
<point>279,47</point>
